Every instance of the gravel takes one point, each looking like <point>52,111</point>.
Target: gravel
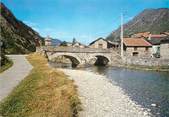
<point>101,98</point>
<point>12,76</point>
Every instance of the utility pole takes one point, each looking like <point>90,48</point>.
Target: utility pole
<point>122,53</point>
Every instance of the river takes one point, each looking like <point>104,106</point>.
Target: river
<point>147,88</point>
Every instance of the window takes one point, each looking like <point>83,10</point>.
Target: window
<point>135,53</point>
<point>135,48</point>
<point>100,45</point>
<point>146,49</point>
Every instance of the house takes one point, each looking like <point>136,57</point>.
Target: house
<point>155,40</point>
<point>102,43</point>
<point>164,48</point>
<point>148,35</point>
<point>48,41</point>
<point>64,43</point>
<point>137,47</point>
<point>166,33</point>
<point>141,35</point>
<point>74,44</point>
<point>78,44</point>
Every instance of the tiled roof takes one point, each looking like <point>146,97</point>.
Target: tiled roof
<point>141,34</point>
<point>139,42</point>
<point>166,33</point>
<point>158,36</point>
<point>156,39</point>
<point>113,43</point>
<point>147,34</point>
<point>165,40</point>
<point>97,40</point>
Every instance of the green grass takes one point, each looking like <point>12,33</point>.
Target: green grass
<point>149,68</point>
<point>6,66</point>
<point>45,92</point>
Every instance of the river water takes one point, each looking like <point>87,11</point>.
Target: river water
<point>147,88</point>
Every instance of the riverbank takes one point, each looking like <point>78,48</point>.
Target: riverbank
<point>44,92</point>
<point>145,68</point>
<point>101,98</point>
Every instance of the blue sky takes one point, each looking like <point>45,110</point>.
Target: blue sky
<point>85,20</point>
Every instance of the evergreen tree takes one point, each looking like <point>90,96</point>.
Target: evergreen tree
<point>64,43</point>
<point>74,41</point>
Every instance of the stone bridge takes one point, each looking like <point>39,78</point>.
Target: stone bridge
<point>82,56</point>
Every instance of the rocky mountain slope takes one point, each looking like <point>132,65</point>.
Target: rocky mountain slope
<point>56,42</point>
<point>17,36</point>
<point>151,20</point>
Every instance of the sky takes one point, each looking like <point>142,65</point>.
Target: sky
<point>85,20</point>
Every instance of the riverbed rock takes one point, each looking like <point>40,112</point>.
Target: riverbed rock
<point>154,105</point>
<point>101,98</point>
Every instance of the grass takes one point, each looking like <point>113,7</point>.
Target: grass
<point>6,66</point>
<point>45,92</point>
<point>149,68</point>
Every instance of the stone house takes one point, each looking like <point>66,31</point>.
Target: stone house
<point>137,47</point>
<point>141,35</point>
<point>155,40</point>
<point>164,48</point>
<point>149,35</point>
<point>48,41</point>
<point>78,44</point>
<point>69,44</point>
<point>102,43</point>
<point>75,44</point>
<point>166,33</point>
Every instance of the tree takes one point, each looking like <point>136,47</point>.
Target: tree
<point>64,43</point>
<point>74,41</point>
<point>3,58</point>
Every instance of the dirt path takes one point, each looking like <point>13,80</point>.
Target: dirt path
<point>101,98</point>
<point>12,76</point>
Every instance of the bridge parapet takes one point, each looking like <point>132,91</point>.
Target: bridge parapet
<point>76,49</point>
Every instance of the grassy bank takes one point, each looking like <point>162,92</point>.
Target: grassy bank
<point>148,68</point>
<point>45,92</point>
<point>7,65</point>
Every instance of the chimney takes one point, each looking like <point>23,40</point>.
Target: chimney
<point>149,37</point>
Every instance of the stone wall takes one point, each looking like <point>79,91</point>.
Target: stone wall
<point>164,51</point>
<point>96,44</point>
<point>146,61</point>
<point>142,52</point>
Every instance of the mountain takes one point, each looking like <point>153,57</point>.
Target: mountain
<point>56,42</point>
<point>17,37</point>
<point>149,20</point>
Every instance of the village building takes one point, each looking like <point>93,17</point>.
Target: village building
<point>102,43</point>
<point>149,35</point>
<point>166,33</point>
<point>78,44</point>
<point>75,44</point>
<point>141,35</point>
<point>136,47</point>
<point>164,48</point>
<point>155,40</point>
<point>48,41</point>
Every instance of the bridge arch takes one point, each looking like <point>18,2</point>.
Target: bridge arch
<point>74,59</point>
<point>99,60</point>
